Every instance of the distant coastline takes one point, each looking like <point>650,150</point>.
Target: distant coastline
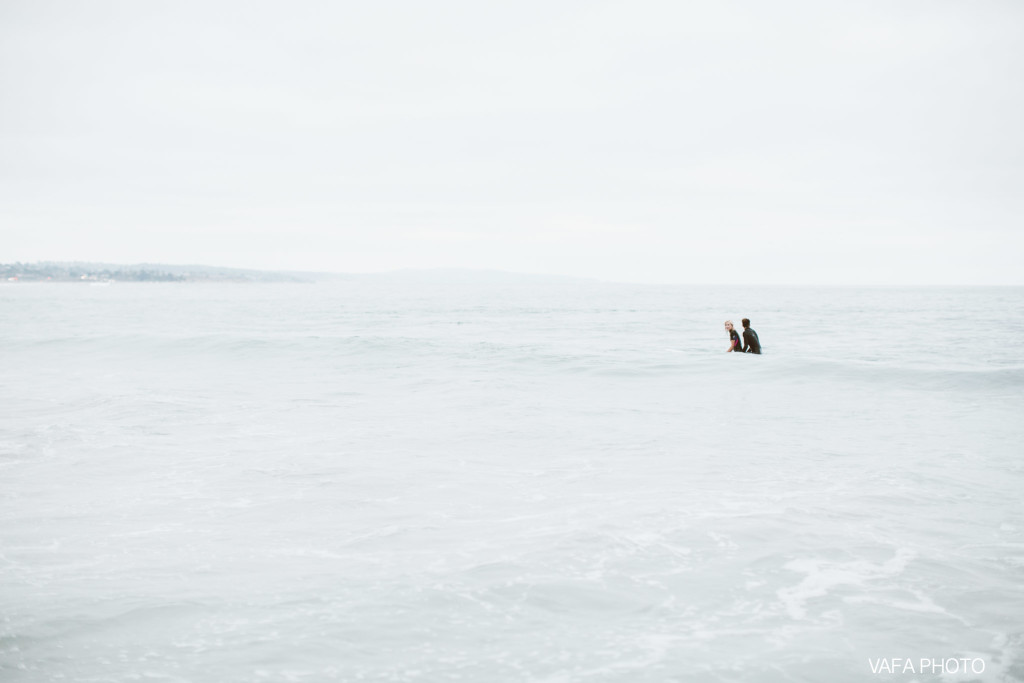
<point>54,271</point>
<point>83,271</point>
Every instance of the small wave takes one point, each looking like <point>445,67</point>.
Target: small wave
<point>882,373</point>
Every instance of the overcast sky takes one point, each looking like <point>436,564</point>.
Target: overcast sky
<point>714,142</point>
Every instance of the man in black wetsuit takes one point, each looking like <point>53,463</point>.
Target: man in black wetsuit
<point>751,344</point>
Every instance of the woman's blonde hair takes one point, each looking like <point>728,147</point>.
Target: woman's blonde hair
<point>729,322</point>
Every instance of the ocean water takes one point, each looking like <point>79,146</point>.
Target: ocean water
<point>374,480</point>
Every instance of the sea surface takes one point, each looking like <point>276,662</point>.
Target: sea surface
<point>378,480</point>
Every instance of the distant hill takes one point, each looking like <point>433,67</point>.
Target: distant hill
<point>77,271</point>
<point>55,271</point>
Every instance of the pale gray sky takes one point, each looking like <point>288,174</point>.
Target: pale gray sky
<point>719,142</point>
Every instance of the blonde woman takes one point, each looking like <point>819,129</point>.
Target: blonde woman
<point>734,338</point>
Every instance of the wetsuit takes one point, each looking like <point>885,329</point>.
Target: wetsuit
<point>751,344</point>
<point>734,337</point>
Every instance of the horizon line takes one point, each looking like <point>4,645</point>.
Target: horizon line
<point>498,271</point>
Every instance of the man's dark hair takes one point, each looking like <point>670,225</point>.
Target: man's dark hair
<point>746,322</point>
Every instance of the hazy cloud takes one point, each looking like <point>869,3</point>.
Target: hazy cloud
<point>653,141</point>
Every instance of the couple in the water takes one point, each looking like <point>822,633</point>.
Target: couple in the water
<point>751,344</point>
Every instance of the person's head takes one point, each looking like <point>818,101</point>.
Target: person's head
<point>746,323</point>
<point>728,325</point>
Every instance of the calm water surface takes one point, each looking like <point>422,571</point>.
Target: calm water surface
<point>560,482</point>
